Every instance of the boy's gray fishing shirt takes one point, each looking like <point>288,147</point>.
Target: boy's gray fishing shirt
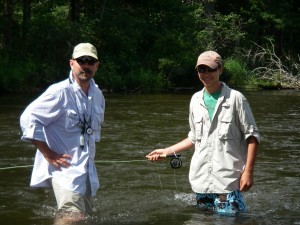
<point>220,145</point>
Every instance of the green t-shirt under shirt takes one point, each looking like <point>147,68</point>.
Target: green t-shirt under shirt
<point>210,101</point>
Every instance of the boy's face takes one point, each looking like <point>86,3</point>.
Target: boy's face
<point>208,76</point>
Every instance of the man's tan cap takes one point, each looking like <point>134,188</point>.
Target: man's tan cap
<point>84,49</point>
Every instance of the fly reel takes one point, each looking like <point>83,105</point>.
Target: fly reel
<point>175,161</point>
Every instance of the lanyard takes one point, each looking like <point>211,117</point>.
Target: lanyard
<point>85,118</point>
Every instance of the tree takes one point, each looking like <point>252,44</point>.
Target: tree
<point>74,10</point>
<point>8,23</point>
<point>26,17</point>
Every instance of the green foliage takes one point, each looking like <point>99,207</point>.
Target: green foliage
<point>142,45</point>
<point>167,66</point>
<point>235,72</point>
<point>276,19</point>
<point>143,78</point>
<point>216,31</point>
<point>19,77</point>
<point>108,77</point>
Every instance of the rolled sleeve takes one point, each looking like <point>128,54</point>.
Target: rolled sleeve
<point>39,114</point>
<point>33,131</point>
<point>191,137</point>
<point>252,131</point>
<point>247,120</point>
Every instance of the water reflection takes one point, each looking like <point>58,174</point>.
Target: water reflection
<point>135,191</point>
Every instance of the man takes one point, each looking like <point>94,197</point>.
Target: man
<point>225,136</point>
<point>63,124</point>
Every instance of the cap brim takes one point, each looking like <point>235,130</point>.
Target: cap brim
<point>80,54</point>
<point>210,64</point>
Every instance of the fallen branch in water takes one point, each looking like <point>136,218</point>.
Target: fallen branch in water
<point>273,70</point>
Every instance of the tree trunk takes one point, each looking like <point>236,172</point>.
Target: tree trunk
<point>75,10</point>
<point>8,23</point>
<point>26,17</point>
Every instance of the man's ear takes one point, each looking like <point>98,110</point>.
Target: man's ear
<point>71,63</point>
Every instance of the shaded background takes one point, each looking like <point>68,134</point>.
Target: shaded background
<point>148,45</point>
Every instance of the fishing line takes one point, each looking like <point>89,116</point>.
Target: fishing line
<point>175,183</point>
<point>96,161</point>
<point>160,184</point>
<point>174,177</point>
<point>15,167</point>
<point>175,163</point>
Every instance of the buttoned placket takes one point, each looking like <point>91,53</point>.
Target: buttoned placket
<point>205,137</point>
<point>209,126</point>
<point>213,125</point>
<point>84,110</point>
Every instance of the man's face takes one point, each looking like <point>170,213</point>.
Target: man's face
<point>84,68</point>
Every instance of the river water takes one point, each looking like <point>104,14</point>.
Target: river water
<point>136,191</point>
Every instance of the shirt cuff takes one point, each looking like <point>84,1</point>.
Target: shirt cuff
<point>33,131</point>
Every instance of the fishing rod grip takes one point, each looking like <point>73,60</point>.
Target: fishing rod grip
<point>174,156</point>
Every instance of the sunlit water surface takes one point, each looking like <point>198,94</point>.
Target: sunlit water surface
<point>135,191</point>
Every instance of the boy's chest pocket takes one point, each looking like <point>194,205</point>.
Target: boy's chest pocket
<point>225,130</point>
<point>198,128</point>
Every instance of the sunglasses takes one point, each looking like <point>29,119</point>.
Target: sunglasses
<point>83,60</point>
<point>204,69</point>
